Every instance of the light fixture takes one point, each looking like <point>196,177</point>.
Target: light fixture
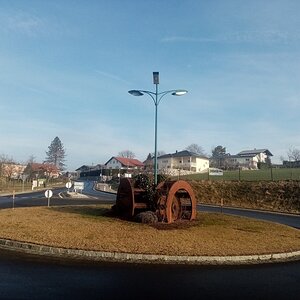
<point>156,97</point>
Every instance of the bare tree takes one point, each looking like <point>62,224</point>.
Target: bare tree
<point>126,154</point>
<point>5,165</point>
<point>159,153</point>
<point>282,159</point>
<point>31,159</point>
<point>5,159</point>
<point>195,148</point>
<point>293,154</point>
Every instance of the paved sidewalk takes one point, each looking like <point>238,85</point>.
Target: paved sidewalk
<point>104,187</point>
<point>75,195</point>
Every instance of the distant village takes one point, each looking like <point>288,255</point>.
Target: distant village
<point>184,162</point>
<point>179,162</point>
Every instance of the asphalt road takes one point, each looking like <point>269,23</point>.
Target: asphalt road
<point>37,198</point>
<point>26,277</point>
<point>286,219</point>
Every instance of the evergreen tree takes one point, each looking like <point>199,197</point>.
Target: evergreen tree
<point>56,154</point>
<point>219,157</point>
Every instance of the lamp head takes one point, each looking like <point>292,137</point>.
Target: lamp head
<point>135,93</point>
<point>179,92</point>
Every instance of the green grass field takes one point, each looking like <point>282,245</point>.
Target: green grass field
<point>17,186</point>
<point>250,175</point>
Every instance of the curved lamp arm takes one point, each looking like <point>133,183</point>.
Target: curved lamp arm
<point>155,97</point>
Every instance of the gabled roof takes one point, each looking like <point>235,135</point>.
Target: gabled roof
<point>233,156</point>
<point>83,168</point>
<point>127,162</point>
<point>254,152</point>
<point>183,153</point>
<point>242,156</point>
<point>89,168</point>
<point>35,167</point>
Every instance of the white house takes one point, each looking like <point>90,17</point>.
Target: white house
<point>186,161</point>
<point>250,159</point>
<point>123,163</point>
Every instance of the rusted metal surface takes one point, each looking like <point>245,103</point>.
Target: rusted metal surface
<point>172,200</point>
<point>176,201</point>
<point>129,198</point>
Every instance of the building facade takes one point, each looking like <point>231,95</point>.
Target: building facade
<point>250,159</point>
<point>182,161</point>
<point>124,163</point>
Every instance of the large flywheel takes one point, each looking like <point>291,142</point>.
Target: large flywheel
<point>176,201</point>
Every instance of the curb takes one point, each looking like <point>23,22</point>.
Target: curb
<point>146,258</point>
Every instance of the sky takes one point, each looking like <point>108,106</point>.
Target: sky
<point>66,68</point>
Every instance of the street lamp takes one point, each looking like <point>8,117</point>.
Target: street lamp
<point>156,97</point>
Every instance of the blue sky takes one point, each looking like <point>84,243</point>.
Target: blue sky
<point>66,68</point>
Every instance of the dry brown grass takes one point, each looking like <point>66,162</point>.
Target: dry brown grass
<point>92,228</point>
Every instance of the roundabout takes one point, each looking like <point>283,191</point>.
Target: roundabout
<point>69,276</point>
<point>91,232</point>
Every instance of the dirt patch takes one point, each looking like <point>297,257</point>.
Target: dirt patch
<point>92,228</point>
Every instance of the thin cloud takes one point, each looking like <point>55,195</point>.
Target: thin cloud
<point>266,36</point>
<point>178,39</point>
<point>270,36</point>
<point>111,76</point>
<point>20,22</point>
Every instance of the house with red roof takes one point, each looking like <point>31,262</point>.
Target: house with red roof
<point>117,162</point>
<point>41,170</point>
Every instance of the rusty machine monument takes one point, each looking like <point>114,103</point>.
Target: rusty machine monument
<point>169,201</point>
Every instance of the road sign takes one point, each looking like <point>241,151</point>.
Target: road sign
<point>48,194</point>
<point>34,184</point>
<point>78,185</point>
<point>68,184</point>
<point>24,177</point>
<point>215,172</point>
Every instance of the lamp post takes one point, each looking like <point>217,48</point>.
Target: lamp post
<point>156,97</point>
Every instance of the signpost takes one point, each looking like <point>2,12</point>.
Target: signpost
<point>215,172</point>
<point>13,199</point>
<point>222,204</point>
<point>34,184</point>
<point>78,185</point>
<point>68,185</point>
<point>48,195</point>
<point>23,177</point>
